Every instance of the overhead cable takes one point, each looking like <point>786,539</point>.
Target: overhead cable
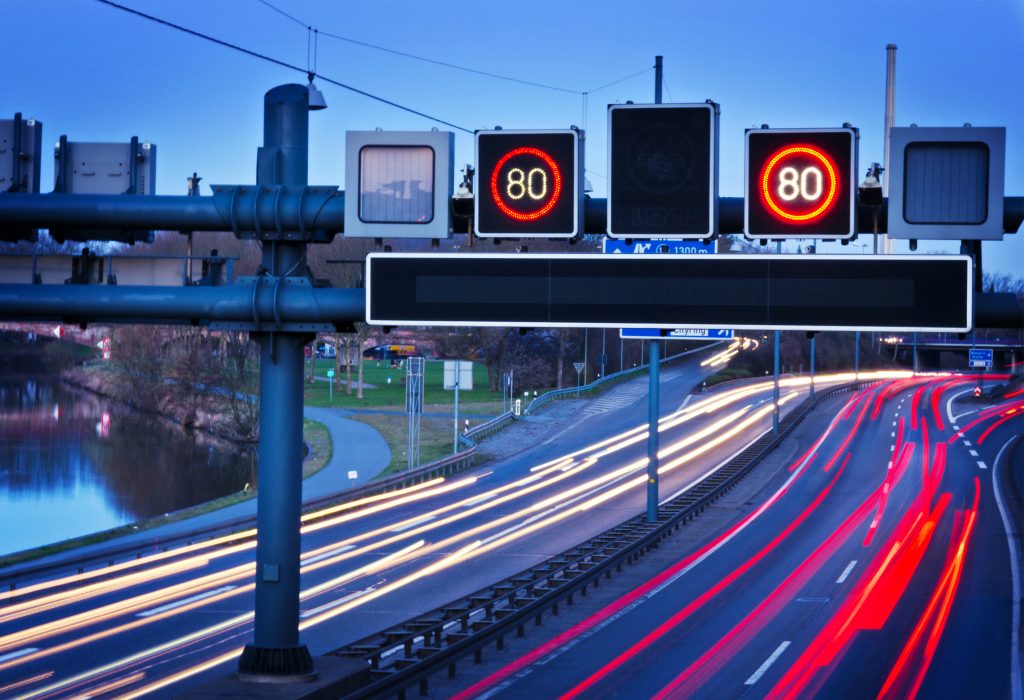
<point>283,64</point>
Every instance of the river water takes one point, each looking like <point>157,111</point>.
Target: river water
<point>72,463</point>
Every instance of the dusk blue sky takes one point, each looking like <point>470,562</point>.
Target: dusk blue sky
<point>98,74</point>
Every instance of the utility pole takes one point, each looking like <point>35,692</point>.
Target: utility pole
<point>812,337</point>
<point>775,390</point>
<point>193,191</point>
<point>604,356</point>
<point>653,380</point>
<point>856,354</point>
<point>653,412</point>
<point>455,434</point>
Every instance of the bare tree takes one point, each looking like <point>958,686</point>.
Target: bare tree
<point>238,381</point>
<point>140,358</point>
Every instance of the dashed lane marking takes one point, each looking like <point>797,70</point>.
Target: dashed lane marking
<point>846,571</point>
<point>767,664</point>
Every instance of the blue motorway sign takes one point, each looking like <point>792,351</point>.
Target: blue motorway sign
<point>677,333</point>
<point>980,357</point>
<point>660,246</point>
<point>667,246</point>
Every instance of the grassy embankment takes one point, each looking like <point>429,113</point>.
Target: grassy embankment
<point>436,431</point>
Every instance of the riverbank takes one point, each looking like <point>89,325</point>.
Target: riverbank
<point>207,415</point>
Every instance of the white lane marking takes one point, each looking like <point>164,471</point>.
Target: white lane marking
<point>893,435</point>
<point>892,448</point>
<point>767,664</point>
<point>896,413</point>
<point>949,406</point>
<point>486,497</point>
<point>890,465</point>
<point>685,401</point>
<point>412,523</point>
<point>982,465</point>
<point>336,603</point>
<point>1016,692</point>
<point>18,654</point>
<point>967,443</point>
<point>894,424</point>
<point>328,554</point>
<point>846,571</point>
<point>973,453</point>
<point>184,601</point>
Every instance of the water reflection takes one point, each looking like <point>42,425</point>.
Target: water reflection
<point>71,463</point>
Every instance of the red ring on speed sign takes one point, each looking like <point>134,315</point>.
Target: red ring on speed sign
<point>780,209</point>
<point>556,190</point>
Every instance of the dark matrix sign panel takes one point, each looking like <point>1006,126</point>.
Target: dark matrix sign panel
<point>799,292</point>
<point>663,179</point>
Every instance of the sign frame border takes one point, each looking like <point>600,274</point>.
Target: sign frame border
<point>966,259</point>
<point>854,169</point>
<point>713,170</point>
<point>578,170</point>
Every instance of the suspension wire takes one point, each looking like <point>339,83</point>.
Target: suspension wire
<point>445,64</point>
<point>278,62</point>
<point>621,80</point>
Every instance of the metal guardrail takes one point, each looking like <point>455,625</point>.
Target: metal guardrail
<point>746,380</point>
<point>436,641</point>
<point>556,393</point>
<point>469,437</point>
<point>446,466</point>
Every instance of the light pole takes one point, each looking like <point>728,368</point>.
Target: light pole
<point>775,390</point>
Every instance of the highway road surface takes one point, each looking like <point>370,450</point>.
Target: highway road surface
<point>169,621</point>
<point>880,563</point>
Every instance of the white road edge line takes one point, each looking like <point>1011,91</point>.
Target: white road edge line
<point>18,654</point>
<point>413,523</point>
<point>949,406</point>
<point>328,555</point>
<point>767,664</point>
<point>1016,691</point>
<point>184,601</point>
<point>336,603</point>
<point>846,571</point>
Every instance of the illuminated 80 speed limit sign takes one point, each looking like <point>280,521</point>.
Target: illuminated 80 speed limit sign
<point>528,184</point>
<point>801,183</point>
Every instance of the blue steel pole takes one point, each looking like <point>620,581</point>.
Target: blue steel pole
<point>653,411</point>
<point>856,354</point>
<point>813,336</point>
<point>280,492</point>
<point>276,651</point>
<point>775,391</point>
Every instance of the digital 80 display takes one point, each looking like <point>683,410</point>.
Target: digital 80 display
<point>528,184</point>
<point>800,183</point>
